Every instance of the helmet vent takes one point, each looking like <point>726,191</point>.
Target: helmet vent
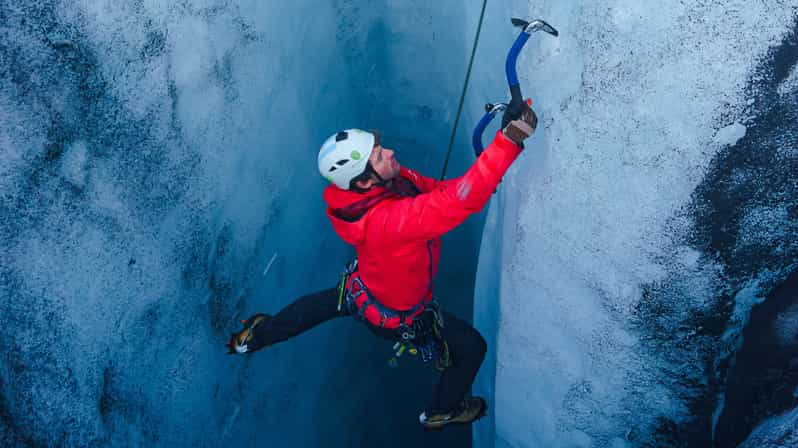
<point>341,162</point>
<point>341,136</point>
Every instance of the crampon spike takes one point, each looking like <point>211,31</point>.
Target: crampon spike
<point>231,350</point>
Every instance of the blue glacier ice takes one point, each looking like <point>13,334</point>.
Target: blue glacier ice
<point>158,183</point>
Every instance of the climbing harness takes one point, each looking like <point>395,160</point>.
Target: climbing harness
<point>512,77</point>
<point>418,329</point>
<point>512,80</point>
<point>363,305</point>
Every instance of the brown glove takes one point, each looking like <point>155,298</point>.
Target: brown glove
<point>520,129</point>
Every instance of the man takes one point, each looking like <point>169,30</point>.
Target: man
<point>395,217</point>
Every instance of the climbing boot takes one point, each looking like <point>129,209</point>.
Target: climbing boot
<point>468,410</point>
<point>246,340</point>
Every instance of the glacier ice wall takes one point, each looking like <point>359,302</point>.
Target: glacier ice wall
<point>158,183</point>
<point>776,431</point>
<point>139,207</point>
<point>618,307</point>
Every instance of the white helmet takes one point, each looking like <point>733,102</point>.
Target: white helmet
<point>344,156</point>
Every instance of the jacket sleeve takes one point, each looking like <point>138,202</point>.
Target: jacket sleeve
<point>430,215</point>
<point>424,183</point>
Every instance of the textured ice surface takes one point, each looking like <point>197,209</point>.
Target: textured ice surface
<point>730,135</point>
<point>151,160</point>
<point>155,156</point>
<point>158,182</point>
<point>790,84</point>
<point>786,327</point>
<point>601,307</point>
<point>775,432</point>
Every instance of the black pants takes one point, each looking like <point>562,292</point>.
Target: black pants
<point>466,346</point>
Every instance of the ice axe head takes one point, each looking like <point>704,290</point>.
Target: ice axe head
<point>535,25</point>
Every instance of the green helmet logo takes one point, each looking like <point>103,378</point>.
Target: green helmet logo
<point>355,155</point>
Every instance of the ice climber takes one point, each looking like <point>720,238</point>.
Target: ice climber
<point>395,217</point>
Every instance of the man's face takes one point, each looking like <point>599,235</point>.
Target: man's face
<point>384,163</point>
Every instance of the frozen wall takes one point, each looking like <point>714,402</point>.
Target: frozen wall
<point>777,431</point>
<point>158,183</point>
<point>641,224</point>
<point>151,158</point>
<point>762,380</point>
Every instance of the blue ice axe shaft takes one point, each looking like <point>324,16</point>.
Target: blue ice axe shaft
<point>512,77</point>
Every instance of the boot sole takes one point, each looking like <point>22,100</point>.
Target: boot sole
<point>439,427</point>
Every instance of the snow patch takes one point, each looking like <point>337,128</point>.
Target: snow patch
<point>762,224</point>
<point>73,163</point>
<point>790,83</point>
<point>688,256</point>
<point>730,135</point>
<point>775,432</point>
<point>744,301</point>
<point>786,327</point>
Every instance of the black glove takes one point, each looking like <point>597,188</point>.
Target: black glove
<point>515,110</point>
<point>246,340</point>
<point>519,121</point>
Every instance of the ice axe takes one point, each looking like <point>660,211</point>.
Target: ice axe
<point>512,77</point>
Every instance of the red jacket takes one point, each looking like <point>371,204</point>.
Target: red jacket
<point>397,233</point>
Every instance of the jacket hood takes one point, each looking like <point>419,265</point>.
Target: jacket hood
<point>345,208</point>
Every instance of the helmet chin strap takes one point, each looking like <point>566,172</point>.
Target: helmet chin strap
<point>381,182</point>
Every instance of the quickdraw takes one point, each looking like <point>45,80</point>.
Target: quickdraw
<point>425,337</point>
<point>350,269</point>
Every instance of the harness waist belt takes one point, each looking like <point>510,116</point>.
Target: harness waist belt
<point>370,309</point>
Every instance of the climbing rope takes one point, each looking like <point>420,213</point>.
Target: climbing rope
<point>465,87</point>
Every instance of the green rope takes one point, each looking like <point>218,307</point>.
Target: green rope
<point>465,87</point>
